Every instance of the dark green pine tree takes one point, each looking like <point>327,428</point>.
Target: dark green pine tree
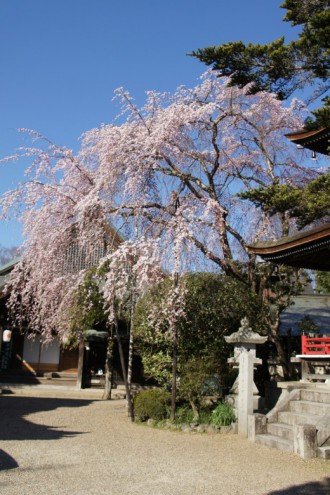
<point>280,67</point>
<point>306,205</point>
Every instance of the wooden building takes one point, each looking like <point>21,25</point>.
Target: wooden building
<point>26,357</point>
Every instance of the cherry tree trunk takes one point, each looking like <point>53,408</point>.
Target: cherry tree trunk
<point>284,360</point>
<point>131,341</point>
<point>174,374</point>
<point>123,370</point>
<point>81,348</point>
<point>174,358</point>
<point>108,368</point>
<point>130,356</point>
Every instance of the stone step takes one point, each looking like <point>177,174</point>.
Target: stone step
<point>315,396</point>
<point>275,442</point>
<point>58,375</point>
<point>43,377</point>
<point>57,381</point>
<point>280,430</point>
<point>307,407</point>
<point>292,418</point>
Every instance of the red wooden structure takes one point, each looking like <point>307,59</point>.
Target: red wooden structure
<point>315,345</point>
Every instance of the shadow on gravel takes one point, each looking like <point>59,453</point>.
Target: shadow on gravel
<point>6,461</point>
<point>15,426</point>
<point>314,488</point>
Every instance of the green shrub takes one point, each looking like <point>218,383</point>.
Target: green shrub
<point>196,381</point>
<point>205,416</point>
<point>222,415</point>
<point>184,414</point>
<point>151,404</point>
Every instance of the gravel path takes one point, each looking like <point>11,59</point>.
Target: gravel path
<point>77,447</point>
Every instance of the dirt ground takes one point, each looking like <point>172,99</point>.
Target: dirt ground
<point>85,447</point>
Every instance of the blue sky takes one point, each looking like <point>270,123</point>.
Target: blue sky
<point>62,59</point>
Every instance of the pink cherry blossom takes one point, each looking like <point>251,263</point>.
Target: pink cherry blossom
<point>165,179</point>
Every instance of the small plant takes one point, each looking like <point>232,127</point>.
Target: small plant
<point>222,415</point>
<point>184,414</point>
<point>198,379</point>
<point>151,404</point>
<point>205,417</point>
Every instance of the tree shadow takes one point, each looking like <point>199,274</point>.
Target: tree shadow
<point>315,488</point>
<point>15,426</point>
<point>6,461</point>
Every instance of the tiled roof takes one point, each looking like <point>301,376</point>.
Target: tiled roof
<point>5,271</point>
<point>309,249</point>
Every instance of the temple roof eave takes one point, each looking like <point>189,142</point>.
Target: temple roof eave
<point>310,249</point>
<point>315,140</point>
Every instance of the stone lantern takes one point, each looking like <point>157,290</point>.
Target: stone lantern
<point>245,341</point>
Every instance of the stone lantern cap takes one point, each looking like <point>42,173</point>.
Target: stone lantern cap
<point>245,335</point>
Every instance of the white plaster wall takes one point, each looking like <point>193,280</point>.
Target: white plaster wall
<point>50,352</point>
<point>31,349</point>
